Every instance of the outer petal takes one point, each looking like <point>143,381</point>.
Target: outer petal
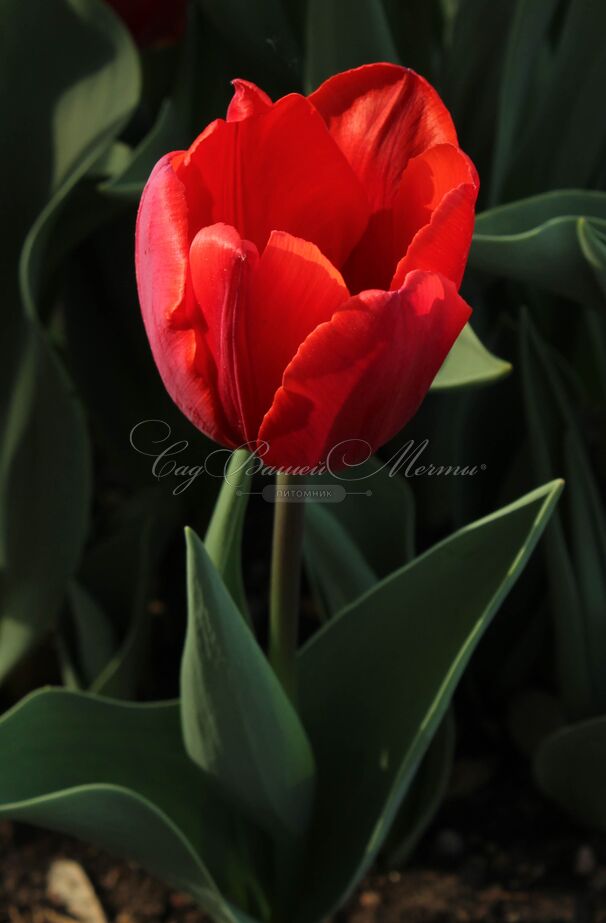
<point>381,115</point>
<point>161,256</point>
<point>293,289</point>
<point>221,265</point>
<point>278,170</point>
<point>247,100</point>
<point>362,375</point>
<point>434,214</point>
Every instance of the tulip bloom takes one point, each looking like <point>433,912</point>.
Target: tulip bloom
<point>298,267</point>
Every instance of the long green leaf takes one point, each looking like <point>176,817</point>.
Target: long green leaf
<point>376,681</point>
<point>238,724</point>
<point>44,499</point>
<point>543,422</point>
<point>528,29</point>
<point>76,763</point>
<point>535,241</point>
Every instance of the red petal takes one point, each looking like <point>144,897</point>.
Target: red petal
<point>360,377</point>
<point>221,264</point>
<point>161,252</point>
<point>381,115</point>
<point>434,214</point>
<point>279,170</point>
<point>247,100</point>
<point>293,289</point>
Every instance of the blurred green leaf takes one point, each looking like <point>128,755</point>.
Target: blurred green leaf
<point>574,557</point>
<point>469,363</point>
<point>529,25</point>
<point>350,545</point>
<point>44,499</point>
<point>471,72</point>
<point>570,767</point>
<point>174,127</point>
<point>94,639</point>
<point>118,572</point>
<point>535,241</point>
<point>82,96</point>
<point>417,29</point>
<point>382,522</point>
<point>376,681</point>
<point>552,154</point>
<point>336,566</point>
<point>76,763</point>
<point>592,239</point>
<point>238,724</point>
<point>345,33</point>
<point>63,108</point>
<point>588,544</point>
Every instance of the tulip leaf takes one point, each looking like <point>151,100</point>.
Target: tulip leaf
<point>116,577</point>
<point>336,566</point>
<point>64,111</point>
<point>469,363</point>
<point>535,241</point>
<point>174,127</point>
<point>344,34</point>
<point>424,795</point>
<point>238,723</point>
<point>223,541</point>
<point>592,239</point>
<point>379,512</point>
<point>399,651</point>
<point>117,774</point>
<point>529,26</point>
<point>470,72</point>
<point>588,541</point>
<point>94,638</point>
<point>44,499</point>
<point>570,767</point>
<point>350,545</point>
<point>101,72</point>
<point>575,557</point>
<point>575,71</point>
<point>73,99</point>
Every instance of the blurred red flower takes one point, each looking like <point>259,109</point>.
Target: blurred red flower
<point>152,22</point>
<point>298,267</point>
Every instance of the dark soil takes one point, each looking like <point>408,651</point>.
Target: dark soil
<point>497,854</point>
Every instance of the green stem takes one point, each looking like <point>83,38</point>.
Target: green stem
<point>285,585</point>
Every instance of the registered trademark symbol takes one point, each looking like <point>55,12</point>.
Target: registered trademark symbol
<point>483,467</point>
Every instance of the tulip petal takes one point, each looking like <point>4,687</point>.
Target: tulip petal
<point>434,214</point>
<point>166,296</point>
<point>279,170</point>
<point>360,377</point>
<point>293,289</point>
<point>221,265</point>
<point>381,115</point>
<point>248,100</point>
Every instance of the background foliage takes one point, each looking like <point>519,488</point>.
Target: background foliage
<point>91,550</point>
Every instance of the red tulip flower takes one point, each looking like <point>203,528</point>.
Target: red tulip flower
<point>298,267</point>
